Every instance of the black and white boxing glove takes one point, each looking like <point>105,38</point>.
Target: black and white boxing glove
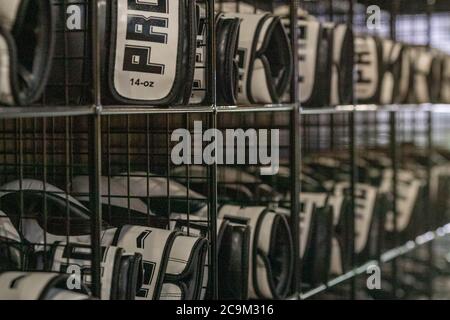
<point>233,243</point>
<point>121,276</point>
<point>341,245</point>
<point>151,51</point>
<point>316,233</point>
<point>26,50</point>
<point>184,271</point>
<point>427,75</point>
<point>410,189</point>
<point>368,65</point>
<point>405,76</point>
<point>315,43</point>
<point>342,65</point>
<point>265,58</point>
<point>314,66</point>
<point>227,38</point>
<point>271,251</point>
<point>370,212</point>
<point>154,244</point>
<point>39,286</point>
<point>155,191</point>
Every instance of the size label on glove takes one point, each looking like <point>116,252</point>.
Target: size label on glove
<point>146,48</point>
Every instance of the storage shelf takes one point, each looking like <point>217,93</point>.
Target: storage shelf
<point>45,112</point>
<point>133,109</point>
<point>328,110</point>
<point>361,108</point>
<point>257,108</point>
<point>67,111</point>
<point>386,257</point>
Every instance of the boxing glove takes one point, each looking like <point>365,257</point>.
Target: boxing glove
<point>368,66</point>
<point>342,65</point>
<point>151,51</point>
<point>265,59</point>
<point>271,251</point>
<point>26,50</point>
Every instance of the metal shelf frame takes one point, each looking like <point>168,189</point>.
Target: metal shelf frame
<point>97,112</point>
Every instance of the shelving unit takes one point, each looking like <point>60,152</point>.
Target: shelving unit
<point>98,131</point>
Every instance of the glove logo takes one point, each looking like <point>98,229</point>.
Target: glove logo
<point>140,241</point>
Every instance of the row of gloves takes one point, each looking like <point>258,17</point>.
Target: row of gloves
<point>151,53</point>
<point>255,249</point>
<point>44,229</point>
<point>325,209</point>
<point>156,55</point>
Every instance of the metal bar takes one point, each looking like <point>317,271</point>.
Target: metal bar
<point>95,154</point>
<point>387,257</point>
<point>261,108</point>
<point>432,221</point>
<point>431,217</point>
<point>353,169</point>
<point>212,169</point>
<point>44,112</point>
<point>129,110</point>
<point>394,158</point>
<point>295,153</point>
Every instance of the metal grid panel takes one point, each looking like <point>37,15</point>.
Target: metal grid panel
<point>56,150</point>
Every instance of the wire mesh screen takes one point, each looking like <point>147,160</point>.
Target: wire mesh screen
<point>266,148</point>
<point>143,146</point>
<point>70,81</point>
<point>40,158</point>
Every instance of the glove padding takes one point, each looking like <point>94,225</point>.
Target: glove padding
<point>26,50</point>
<point>271,251</point>
<point>265,58</point>
<point>38,286</point>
